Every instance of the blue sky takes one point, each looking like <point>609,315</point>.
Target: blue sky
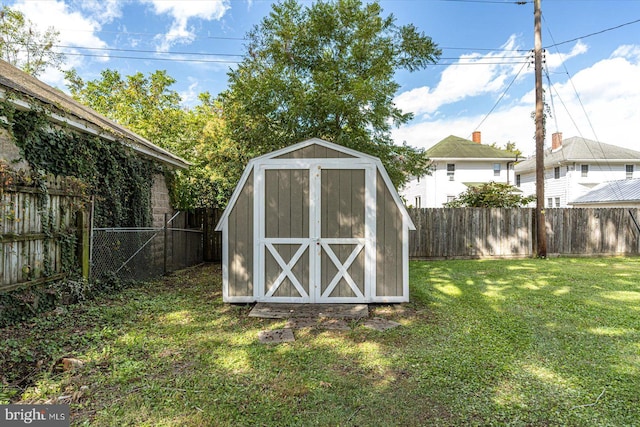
<point>595,80</point>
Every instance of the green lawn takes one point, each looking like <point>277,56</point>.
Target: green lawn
<point>501,342</point>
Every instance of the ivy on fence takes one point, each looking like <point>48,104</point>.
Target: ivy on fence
<point>119,181</point>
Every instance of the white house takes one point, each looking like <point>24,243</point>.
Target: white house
<point>575,166</point>
<point>456,165</point>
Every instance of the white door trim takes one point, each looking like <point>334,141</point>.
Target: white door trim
<point>314,242</point>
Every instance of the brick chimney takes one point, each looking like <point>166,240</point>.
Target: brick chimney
<point>556,140</point>
<point>476,137</point>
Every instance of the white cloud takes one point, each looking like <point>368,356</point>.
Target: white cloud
<point>103,11</point>
<point>181,12</point>
<point>608,90</point>
<point>190,96</point>
<point>459,81</point>
<point>75,29</point>
<point>610,94</point>
<point>555,60</point>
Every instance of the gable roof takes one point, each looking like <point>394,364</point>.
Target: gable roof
<point>68,110</point>
<point>624,191</point>
<point>577,149</point>
<point>321,142</point>
<point>460,148</point>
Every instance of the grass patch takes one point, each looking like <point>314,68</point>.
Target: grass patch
<point>500,342</point>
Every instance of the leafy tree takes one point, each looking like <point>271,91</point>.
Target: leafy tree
<point>22,45</point>
<point>145,104</point>
<point>326,71</point>
<point>490,195</point>
<point>148,106</point>
<point>510,147</point>
<point>216,159</point>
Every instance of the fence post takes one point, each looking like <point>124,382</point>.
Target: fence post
<point>165,245</point>
<point>85,243</point>
<point>205,212</point>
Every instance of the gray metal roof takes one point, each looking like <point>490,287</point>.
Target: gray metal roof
<point>626,190</point>
<point>17,82</point>
<point>576,149</point>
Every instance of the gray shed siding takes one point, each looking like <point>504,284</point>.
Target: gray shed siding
<point>240,241</point>
<point>389,257</point>
<point>308,224</point>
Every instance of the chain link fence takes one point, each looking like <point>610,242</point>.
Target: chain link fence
<point>145,253</point>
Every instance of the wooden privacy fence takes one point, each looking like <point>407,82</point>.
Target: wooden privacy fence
<point>42,231</point>
<point>209,218</point>
<point>450,233</point>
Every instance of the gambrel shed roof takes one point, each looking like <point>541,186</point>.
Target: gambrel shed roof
<point>315,222</point>
<point>310,143</point>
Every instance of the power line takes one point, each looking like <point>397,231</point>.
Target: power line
<point>151,58</point>
<point>502,96</point>
<point>110,49</point>
<point>594,34</point>
<point>113,49</point>
<point>616,188</point>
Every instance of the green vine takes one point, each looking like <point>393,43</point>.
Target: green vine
<point>119,179</point>
<point>81,165</point>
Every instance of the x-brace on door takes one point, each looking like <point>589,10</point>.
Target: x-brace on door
<point>316,230</point>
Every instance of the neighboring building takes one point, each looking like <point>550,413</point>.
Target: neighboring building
<point>574,167</point>
<point>24,91</point>
<point>456,165</point>
<point>613,194</point>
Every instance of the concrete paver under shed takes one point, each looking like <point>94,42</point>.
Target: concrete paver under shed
<point>285,311</point>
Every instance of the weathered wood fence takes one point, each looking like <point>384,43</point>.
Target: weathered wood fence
<point>42,231</point>
<point>484,233</point>
<point>209,218</point>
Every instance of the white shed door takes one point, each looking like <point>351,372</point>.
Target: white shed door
<point>316,233</point>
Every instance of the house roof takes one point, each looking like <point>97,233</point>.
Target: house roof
<point>315,141</point>
<point>456,147</point>
<point>70,111</point>
<point>623,191</point>
<point>577,149</point>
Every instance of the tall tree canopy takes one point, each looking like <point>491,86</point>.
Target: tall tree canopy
<point>22,45</point>
<point>145,104</point>
<point>150,107</point>
<point>326,71</point>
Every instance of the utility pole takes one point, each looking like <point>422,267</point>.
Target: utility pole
<point>541,227</point>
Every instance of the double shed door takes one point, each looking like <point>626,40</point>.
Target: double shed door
<point>315,239</point>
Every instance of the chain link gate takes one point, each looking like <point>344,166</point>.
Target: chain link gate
<point>145,253</point>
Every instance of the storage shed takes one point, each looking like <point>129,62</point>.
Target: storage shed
<point>315,223</point>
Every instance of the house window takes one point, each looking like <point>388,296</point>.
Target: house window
<point>496,169</point>
<point>450,198</point>
<point>629,170</point>
<point>557,202</point>
<point>418,202</point>
<point>451,170</point>
<point>518,180</point>
<point>549,202</point>
<point>556,173</point>
<point>585,171</point>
